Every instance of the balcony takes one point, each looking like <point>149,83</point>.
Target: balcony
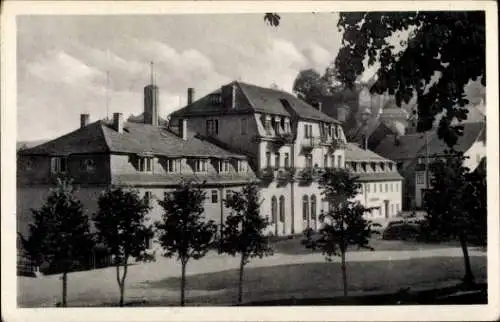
<point>337,144</point>
<point>307,175</point>
<point>310,143</point>
<point>266,175</point>
<point>284,176</point>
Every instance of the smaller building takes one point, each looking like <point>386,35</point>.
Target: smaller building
<point>381,184</point>
<point>413,151</point>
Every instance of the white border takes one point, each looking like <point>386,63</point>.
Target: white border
<point>352,313</point>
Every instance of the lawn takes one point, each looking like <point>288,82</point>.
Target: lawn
<point>317,280</point>
<point>294,246</point>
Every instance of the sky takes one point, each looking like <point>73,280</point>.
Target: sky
<point>63,61</point>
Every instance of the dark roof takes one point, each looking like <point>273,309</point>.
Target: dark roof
<point>174,179</point>
<point>100,137</point>
<point>413,145</point>
<point>354,153</point>
<point>257,99</point>
<point>378,176</point>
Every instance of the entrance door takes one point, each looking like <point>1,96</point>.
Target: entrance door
<point>386,208</point>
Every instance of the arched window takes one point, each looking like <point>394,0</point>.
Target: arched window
<point>313,207</point>
<point>282,209</point>
<point>305,209</point>
<point>274,212</point>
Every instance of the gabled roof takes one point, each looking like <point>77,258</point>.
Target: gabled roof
<point>257,99</point>
<point>99,137</point>
<point>412,145</point>
<point>353,153</point>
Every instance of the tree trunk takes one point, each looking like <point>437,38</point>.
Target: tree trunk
<point>240,283</point>
<point>183,282</point>
<point>344,273</point>
<point>121,280</point>
<point>469,277</point>
<point>64,288</point>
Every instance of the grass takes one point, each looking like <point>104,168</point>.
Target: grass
<point>317,280</point>
<point>294,246</point>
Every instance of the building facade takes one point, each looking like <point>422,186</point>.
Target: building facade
<point>286,141</point>
<point>381,184</point>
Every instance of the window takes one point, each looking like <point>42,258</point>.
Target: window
<point>200,165</point>
<point>392,209</point>
<point>223,166</point>
<point>228,195</point>
<point>397,207</point>
<point>242,166</point>
<point>212,127</point>
<point>148,197</point>
<point>59,165</point>
<point>244,126</point>
<point>382,166</point>
<point>337,132</point>
<point>339,161</point>
<point>145,164</point>
<point>309,161</point>
<point>390,166</point>
<point>28,165</point>
<point>215,196</point>
<point>367,187</point>
<point>381,188</point>
<point>374,187</point>
<point>325,161</point>
<point>397,187</point>
<point>173,165</point>
<point>332,161</point>
<point>282,209</point>
<point>420,177</point>
<point>391,187</point>
<point>386,187</point>
<point>307,130</point>
<point>287,160</point>
<point>420,161</point>
<point>89,165</point>
<point>165,195</point>
<point>274,209</point>
<point>313,207</point>
<point>363,166</point>
<point>361,187</point>
<point>277,160</point>
<point>305,208</point>
<point>268,159</point>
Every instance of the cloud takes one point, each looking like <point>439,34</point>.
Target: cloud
<point>319,58</point>
<point>58,66</point>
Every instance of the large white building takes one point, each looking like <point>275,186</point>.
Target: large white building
<point>286,141</point>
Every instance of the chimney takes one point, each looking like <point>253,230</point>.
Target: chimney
<point>118,122</point>
<point>151,101</point>
<point>320,106</point>
<point>190,95</point>
<point>228,95</point>
<point>342,114</point>
<point>84,120</point>
<point>396,140</point>
<point>364,142</point>
<point>183,129</point>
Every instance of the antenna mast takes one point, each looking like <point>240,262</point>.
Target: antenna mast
<point>152,70</point>
<point>107,85</point>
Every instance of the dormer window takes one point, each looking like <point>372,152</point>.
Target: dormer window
<point>224,166</point>
<point>242,166</point>
<point>200,165</point>
<point>145,164</point>
<point>363,166</point>
<point>390,166</point>
<point>382,166</point>
<point>215,99</point>
<point>173,165</point>
<point>373,165</point>
<point>59,165</point>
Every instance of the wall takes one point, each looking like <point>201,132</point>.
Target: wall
<point>33,170</point>
<point>369,197</point>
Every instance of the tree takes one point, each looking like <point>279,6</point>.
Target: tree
<point>455,204</point>
<point>183,231</point>
<point>310,86</point>
<point>121,224</point>
<point>343,223</point>
<point>60,232</point>
<point>243,230</point>
<point>430,55</point>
